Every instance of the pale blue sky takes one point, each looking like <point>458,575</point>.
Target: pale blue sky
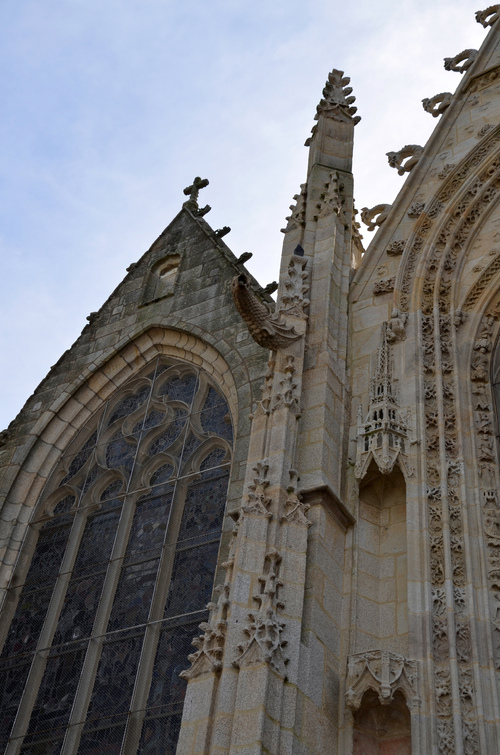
<point>110,108</point>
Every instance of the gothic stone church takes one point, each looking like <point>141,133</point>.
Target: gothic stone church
<point>235,526</point>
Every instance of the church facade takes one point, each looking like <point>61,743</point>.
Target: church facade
<point>230,525</point>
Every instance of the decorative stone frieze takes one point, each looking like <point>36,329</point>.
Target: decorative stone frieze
<point>438,104</point>
<point>256,500</point>
<point>375,216</point>
<point>263,631</point>
<point>482,282</point>
<point>383,435</point>
<point>384,286</point>
<point>484,130</point>
<point>488,16</point>
<point>331,200</point>
<point>466,58</point>
<point>294,299</point>
<point>383,672</point>
<point>295,509</point>
<point>409,153</point>
<point>445,170</point>
<point>416,209</point>
<point>297,217</point>
<point>396,248</point>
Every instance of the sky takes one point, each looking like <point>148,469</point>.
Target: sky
<point>110,108</point>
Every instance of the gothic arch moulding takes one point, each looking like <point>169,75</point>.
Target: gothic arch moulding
<point>61,421</point>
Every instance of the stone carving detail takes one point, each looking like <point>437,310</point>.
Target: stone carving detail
<point>396,248</point>
<point>267,329</point>
<point>295,509</point>
<point>416,209</point>
<point>484,130</point>
<point>385,673</point>
<point>384,286</point>
<point>338,99</point>
<point>264,643</point>
<point>297,217</point>
<point>489,16</point>
<point>288,395</point>
<point>210,644</point>
<point>383,436</point>
<point>375,216</point>
<point>294,300</point>
<point>445,170</point>
<point>443,691</point>
<point>331,201</point>
<point>257,502</point>
<point>470,737</point>
<point>446,737</point>
<point>396,326</point>
<point>466,58</point>
<point>438,104</point>
<point>410,152</point>
<point>480,285</point>
<point>193,192</point>
<point>264,405</point>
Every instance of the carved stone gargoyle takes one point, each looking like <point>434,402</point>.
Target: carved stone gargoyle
<point>268,329</point>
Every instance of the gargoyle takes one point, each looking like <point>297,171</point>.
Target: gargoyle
<point>266,328</point>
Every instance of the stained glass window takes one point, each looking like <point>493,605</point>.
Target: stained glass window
<point>124,548</point>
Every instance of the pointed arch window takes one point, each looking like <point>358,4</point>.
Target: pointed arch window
<point>122,549</point>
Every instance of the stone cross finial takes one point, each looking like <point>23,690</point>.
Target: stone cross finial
<point>193,193</point>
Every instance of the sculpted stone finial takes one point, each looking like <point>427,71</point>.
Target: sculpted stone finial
<point>488,16</point>
<point>193,193</point>
<point>375,216</point>
<point>437,105</point>
<point>410,152</point>
<point>466,57</point>
<point>337,102</point>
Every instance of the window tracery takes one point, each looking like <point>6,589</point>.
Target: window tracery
<point>125,543</point>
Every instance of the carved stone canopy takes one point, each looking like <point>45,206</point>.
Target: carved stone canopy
<point>385,673</point>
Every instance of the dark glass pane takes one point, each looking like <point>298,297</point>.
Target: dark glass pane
<point>215,417</point>
<point>167,690</point>
<point>13,675</point>
<point>112,490</point>
<point>204,507</point>
<point>153,419</point>
<point>119,453</point>
<point>44,747</point>
<point>115,677</point>
<point>167,438</point>
<point>79,609</point>
<point>149,524</point>
<point>192,579</point>
<point>190,446</point>
<point>56,693</point>
<point>160,735</point>
<point>133,595</point>
<point>130,404</point>
<point>105,741</point>
<point>180,388</point>
<point>91,477</point>
<point>162,474</point>
<point>27,622</point>
<point>97,542</point>
<point>48,555</point>
<point>214,459</point>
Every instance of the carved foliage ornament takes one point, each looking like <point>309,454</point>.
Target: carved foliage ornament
<point>297,217</point>
<point>337,97</point>
<point>331,200</point>
<point>264,643</point>
<point>406,158</point>
<point>438,104</point>
<point>385,673</point>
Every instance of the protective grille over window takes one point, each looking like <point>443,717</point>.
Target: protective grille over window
<point>124,544</point>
